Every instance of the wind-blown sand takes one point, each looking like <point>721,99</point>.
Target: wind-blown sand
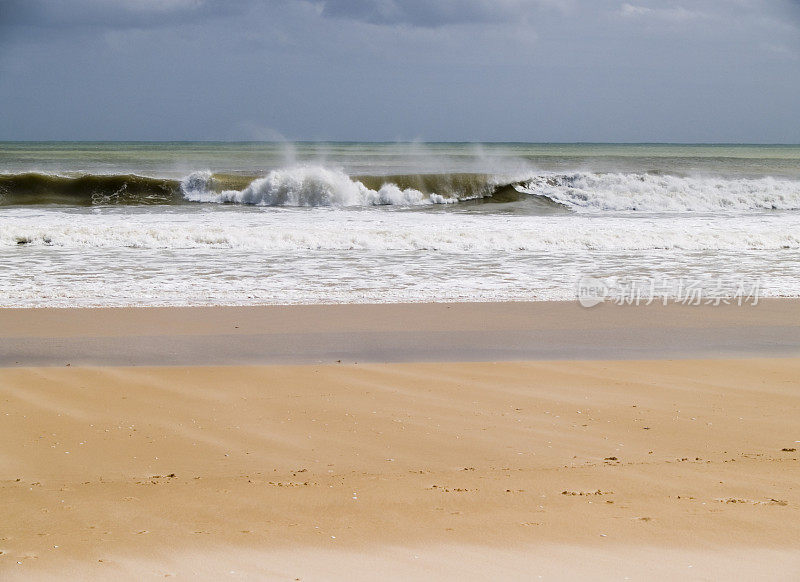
<point>651,469</point>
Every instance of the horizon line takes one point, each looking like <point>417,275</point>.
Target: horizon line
<point>398,142</point>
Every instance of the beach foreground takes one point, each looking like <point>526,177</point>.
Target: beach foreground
<point>648,469</point>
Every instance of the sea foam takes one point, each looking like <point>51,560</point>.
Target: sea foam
<point>290,232</point>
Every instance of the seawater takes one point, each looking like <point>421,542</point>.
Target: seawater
<point>88,224</point>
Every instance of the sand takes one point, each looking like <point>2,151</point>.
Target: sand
<point>451,470</point>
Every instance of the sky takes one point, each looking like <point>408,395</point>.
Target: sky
<point>401,70</point>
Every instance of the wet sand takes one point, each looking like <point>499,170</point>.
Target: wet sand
<point>425,332</point>
<point>452,470</point>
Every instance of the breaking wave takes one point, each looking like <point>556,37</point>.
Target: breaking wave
<point>646,192</point>
<point>308,186</point>
<point>316,186</point>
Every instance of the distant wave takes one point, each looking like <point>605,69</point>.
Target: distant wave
<point>316,186</point>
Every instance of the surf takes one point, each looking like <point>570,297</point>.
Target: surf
<point>659,192</point>
<point>311,186</point>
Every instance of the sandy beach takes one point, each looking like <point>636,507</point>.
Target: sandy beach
<point>639,466</point>
<point>399,291</point>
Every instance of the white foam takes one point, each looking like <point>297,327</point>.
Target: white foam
<point>233,255</point>
<point>306,186</point>
<point>591,192</point>
<point>293,231</point>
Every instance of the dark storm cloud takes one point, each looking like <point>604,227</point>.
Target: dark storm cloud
<point>518,70</point>
<point>143,13</point>
<point>427,13</point>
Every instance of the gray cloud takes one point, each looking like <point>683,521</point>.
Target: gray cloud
<point>116,14</point>
<point>427,13</point>
<point>518,70</point>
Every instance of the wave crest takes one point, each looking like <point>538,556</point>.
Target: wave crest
<point>307,186</point>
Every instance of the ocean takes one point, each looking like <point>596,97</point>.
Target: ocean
<point>123,224</point>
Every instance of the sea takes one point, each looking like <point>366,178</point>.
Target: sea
<point>157,224</point>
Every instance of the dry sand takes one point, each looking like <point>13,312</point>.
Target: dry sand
<point>646,469</point>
